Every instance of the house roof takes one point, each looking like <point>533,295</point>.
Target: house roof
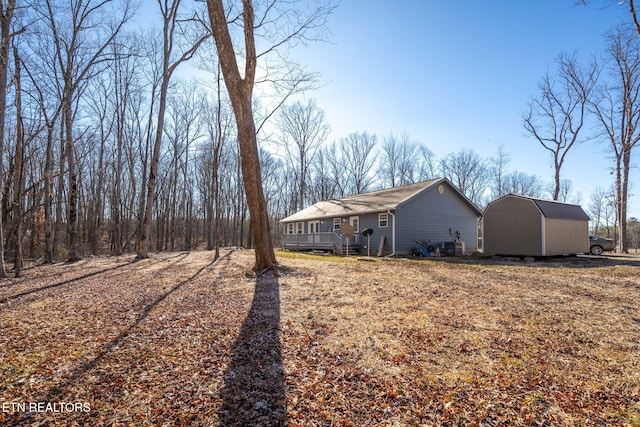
<point>555,209</point>
<point>376,201</point>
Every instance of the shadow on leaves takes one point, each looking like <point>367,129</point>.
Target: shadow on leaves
<point>254,383</point>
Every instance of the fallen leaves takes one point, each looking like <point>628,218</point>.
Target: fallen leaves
<point>177,340</point>
<point>440,343</point>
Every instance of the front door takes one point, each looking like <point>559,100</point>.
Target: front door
<point>314,228</point>
<point>355,223</point>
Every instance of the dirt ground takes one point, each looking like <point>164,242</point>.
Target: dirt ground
<point>180,340</point>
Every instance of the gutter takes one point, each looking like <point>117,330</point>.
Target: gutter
<point>393,235</point>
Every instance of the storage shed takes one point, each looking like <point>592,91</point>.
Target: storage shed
<point>526,226</point>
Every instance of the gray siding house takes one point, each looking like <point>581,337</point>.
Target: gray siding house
<point>526,226</point>
<point>434,211</point>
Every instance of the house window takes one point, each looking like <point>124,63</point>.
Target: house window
<point>355,223</point>
<point>337,223</point>
<point>300,227</point>
<point>383,220</point>
<point>314,227</point>
<point>290,228</point>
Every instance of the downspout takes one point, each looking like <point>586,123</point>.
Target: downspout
<point>393,235</point>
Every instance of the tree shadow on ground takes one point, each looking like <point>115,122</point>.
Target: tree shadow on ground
<point>77,280</point>
<point>57,392</point>
<point>254,383</point>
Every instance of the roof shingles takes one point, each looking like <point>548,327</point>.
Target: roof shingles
<point>376,201</point>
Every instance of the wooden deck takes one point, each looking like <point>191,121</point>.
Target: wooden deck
<point>331,242</point>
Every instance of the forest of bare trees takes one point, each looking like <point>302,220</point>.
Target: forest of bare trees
<point>110,145</point>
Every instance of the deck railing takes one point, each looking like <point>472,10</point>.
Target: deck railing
<point>323,241</point>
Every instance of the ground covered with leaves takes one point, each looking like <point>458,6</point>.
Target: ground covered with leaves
<point>179,340</point>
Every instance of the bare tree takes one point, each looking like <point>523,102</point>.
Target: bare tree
<point>557,116</point>
<point>324,182</point>
<point>18,167</point>
<point>49,109</point>
<point>182,128</point>
<point>467,171</point>
<point>426,165</point>
<point>390,160</point>
<point>81,35</point>
<point>617,109</point>
<point>240,85</point>
<point>399,160</point>
<point>358,157</point>
<point>171,29</point>
<point>498,166</point>
<point>566,190</point>
<point>601,209</point>
<point>99,94</point>
<point>632,10</point>
<point>124,74</point>
<point>7,11</point>
<point>218,122</point>
<point>416,161</point>
<point>303,129</point>
<point>522,184</point>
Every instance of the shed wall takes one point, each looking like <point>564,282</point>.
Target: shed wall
<point>566,236</point>
<point>436,217</point>
<point>512,226</point>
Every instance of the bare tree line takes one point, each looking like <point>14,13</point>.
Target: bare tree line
<point>106,149</point>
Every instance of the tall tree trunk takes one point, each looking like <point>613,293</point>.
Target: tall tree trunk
<point>623,240</point>
<point>18,170</point>
<point>169,12</point>
<point>59,192</point>
<point>72,208</point>
<point>117,196</point>
<point>240,91</point>
<point>143,250</point>
<point>97,216</point>
<point>48,196</point>
<point>6,16</point>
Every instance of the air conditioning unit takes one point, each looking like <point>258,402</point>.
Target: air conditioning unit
<point>453,248</point>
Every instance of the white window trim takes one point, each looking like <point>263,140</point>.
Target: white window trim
<point>314,227</point>
<point>299,227</point>
<point>357,227</point>
<point>337,222</point>
<point>382,215</point>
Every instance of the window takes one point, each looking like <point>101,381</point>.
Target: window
<point>314,227</point>
<point>383,220</point>
<point>300,227</point>
<point>290,228</point>
<point>355,223</point>
<point>337,222</point>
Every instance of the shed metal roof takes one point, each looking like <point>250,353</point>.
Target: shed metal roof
<point>555,209</point>
<point>552,209</point>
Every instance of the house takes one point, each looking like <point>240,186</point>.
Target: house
<point>526,226</point>
<point>434,211</point>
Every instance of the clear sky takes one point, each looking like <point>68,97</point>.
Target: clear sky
<point>459,74</point>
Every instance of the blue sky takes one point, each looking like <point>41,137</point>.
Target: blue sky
<point>457,75</point>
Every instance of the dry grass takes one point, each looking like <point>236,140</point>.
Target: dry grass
<point>176,340</point>
<point>437,342</point>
